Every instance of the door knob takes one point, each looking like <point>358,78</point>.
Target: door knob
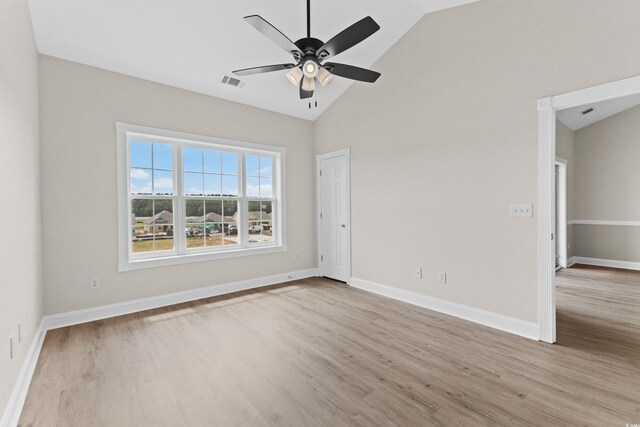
<point>344,225</point>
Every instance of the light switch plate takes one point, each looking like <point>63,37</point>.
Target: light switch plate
<point>521,211</point>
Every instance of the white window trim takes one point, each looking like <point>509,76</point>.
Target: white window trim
<point>126,263</point>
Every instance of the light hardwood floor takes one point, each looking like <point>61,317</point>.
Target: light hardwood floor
<point>318,353</point>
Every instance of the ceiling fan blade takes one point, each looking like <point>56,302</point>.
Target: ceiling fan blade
<point>348,38</point>
<point>272,33</point>
<point>264,69</point>
<point>351,72</point>
<point>305,94</point>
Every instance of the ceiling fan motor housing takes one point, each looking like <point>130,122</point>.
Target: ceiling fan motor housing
<point>308,46</point>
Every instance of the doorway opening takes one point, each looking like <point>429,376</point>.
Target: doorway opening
<point>550,221</point>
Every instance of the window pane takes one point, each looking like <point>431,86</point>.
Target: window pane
<point>192,159</point>
<point>213,211</point>
<point>254,207</point>
<point>265,166</point>
<point>254,231</point>
<point>267,231</point>
<point>265,211</point>
<point>229,163</point>
<point>162,156</point>
<point>260,221</point>
<point>215,235</point>
<point>212,185</point>
<point>252,165</point>
<point>229,185</point>
<point>230,210</point>
<point>142,241</point>
<point>162,183</point>
<point>266,188</point>
<point>212,160</point>
<point>161,224</point>
<point>140,181</point>
<point>195,235</point>
<point>140,154</point>
<point>253,187</point>
<point>194,211</point>
<point>192,184</point>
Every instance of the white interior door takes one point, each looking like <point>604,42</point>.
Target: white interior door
<point>334,227</point>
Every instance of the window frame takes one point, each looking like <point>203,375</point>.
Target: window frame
<point>127,260</point>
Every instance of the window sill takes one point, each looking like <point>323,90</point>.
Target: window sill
<point>141,264</point>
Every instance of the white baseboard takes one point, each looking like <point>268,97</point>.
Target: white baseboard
<point>628,265</point>
<point>102,312</point>
<point>571,261</point>
<point>476,315</point>
<point>16,400</point>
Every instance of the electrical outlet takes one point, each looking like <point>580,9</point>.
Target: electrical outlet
<point>442,278</point>
<point>11,348</point>
<point>19,333</point>
<point>418,272</point>
<point>94,284</point>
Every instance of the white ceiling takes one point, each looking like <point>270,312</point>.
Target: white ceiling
<point>191,44</point>
<point>575,120</point>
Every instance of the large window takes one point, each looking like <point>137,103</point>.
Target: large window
<point>185,198</point>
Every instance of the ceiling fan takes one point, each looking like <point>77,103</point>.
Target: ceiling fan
<point>310,54</point>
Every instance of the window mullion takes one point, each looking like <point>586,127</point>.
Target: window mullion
<point>242,202</point>
<point>179,207</point>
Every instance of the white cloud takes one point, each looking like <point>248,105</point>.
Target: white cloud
<point>163,185</point>
<point>139,174</point>
<point>263,191</point>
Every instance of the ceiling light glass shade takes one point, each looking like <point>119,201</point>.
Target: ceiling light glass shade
<point>309,84</point>
<point>324,76</point>
<point>295,75</point>
<point>310,69</point>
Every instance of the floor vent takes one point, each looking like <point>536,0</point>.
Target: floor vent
<point>232,81</point>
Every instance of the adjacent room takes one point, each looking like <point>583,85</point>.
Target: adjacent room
<point>598,244</point>
<point>319,213</point>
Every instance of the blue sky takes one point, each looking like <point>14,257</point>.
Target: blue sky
<point>208,172</point>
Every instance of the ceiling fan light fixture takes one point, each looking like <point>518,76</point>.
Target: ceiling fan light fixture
<point>324,77</point>
<point>310,69</point>
<point>295,75</point>
<point>309,84</point>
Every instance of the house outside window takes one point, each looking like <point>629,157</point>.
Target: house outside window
<point>186,198</point>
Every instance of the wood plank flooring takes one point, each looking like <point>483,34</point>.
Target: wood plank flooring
<point>318,353</point>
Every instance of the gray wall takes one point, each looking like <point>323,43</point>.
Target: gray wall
<point>79,108</point>
<point>447,139</point>
<point>607,179</point>
<point>20,252</point>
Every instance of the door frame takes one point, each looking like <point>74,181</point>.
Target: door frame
<point>547,108</point>
<point>562,211</point>
<point>346,152</point>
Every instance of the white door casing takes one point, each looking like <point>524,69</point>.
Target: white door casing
<point>334,217</point>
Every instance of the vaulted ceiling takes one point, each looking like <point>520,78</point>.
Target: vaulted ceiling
<point>192,44</point>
